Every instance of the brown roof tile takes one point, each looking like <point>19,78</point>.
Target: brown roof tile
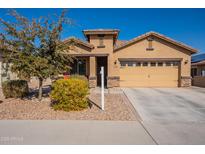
<point>120,42</point>
<point>159,36</point>
<point>76,40</point>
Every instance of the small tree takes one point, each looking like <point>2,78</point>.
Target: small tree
<point>33,47</point>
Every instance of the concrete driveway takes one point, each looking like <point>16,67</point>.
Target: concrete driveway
<point>171,115</point>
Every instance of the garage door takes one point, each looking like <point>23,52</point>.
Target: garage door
<point>149,74</point>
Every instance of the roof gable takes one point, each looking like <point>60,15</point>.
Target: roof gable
<point>167,39</point>
<point>77,41</point>
<point>77,46</point>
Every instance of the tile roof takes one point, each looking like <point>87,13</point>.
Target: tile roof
<point>107,30</point>
<point>114,32</point>
<point>159,36</point>
<point>120,42</point>
<point>76,40</point>
<point>101,31</point>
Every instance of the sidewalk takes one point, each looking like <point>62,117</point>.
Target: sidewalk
<point>72,132</point>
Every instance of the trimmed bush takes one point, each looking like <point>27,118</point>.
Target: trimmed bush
<point>15,88</point>
<point>70,94</point>
<point>73,76</point>
<point>81,77</point>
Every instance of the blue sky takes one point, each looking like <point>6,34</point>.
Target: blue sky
<point>184,25</point>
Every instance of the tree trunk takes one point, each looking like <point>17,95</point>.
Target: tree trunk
<point>40,90</point>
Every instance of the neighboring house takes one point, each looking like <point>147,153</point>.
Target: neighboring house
<point>198,70</point>
<point>5,75</point>
<point>0,69</point>
<point>149,60</point>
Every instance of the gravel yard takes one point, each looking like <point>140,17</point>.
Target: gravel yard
<point>117,107</point>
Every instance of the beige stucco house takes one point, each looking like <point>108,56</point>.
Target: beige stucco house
<point>198,71</point>
<point>149,60</point>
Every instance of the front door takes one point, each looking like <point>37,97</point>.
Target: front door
<point>101,61</point>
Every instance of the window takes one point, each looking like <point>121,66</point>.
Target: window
<point>150,46</point>
<point>79,67</point>
<point>138,64</point>
<point>145,64</point>
<point>122,63</point>
<point>175,63</point>
<point>153,64</point>
<point>130,63</point>
<point>203,72</point>
<point>101,43</point>
<point>168,63</point>
<point>160,63</point>
<point>194,72</point>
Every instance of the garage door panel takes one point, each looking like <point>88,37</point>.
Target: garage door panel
<point>163,84</point>
<point>130,84</point>
<point>149,76</point>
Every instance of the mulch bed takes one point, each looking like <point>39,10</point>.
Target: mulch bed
<point>117,107</point>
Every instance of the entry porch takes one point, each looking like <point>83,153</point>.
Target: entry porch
<point>90,66</point>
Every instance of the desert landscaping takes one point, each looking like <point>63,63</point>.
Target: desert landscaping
<point>117,107</point>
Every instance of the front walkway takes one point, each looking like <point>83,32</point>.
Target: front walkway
<point>72,132</point>
<point>97,90</point>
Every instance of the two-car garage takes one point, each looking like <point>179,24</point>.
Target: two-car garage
<point>153,60</point>
<point>149,73</point>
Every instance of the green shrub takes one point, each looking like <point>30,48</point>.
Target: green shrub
<point>81,77</point>
<point>15,88</point>
<point>73,76</point>
<point>70,94</point>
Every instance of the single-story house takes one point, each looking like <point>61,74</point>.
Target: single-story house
<point>198,70</point>
<point>149,60</point>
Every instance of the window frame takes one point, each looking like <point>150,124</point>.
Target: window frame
<point>175,63</point>
<point>160,63</point>
<point>168,62</point>
<point>130,62</point>
<point>123,62</point>
<point>155,64</point>
<point>137,62</point>
<point>145,63</point>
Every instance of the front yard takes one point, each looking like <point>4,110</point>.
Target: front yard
<point>117,107</point>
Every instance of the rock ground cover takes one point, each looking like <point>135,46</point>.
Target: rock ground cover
<point>117,107</point>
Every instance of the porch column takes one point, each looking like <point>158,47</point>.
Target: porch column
<point>112,77</point>
<point>92,75</point>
